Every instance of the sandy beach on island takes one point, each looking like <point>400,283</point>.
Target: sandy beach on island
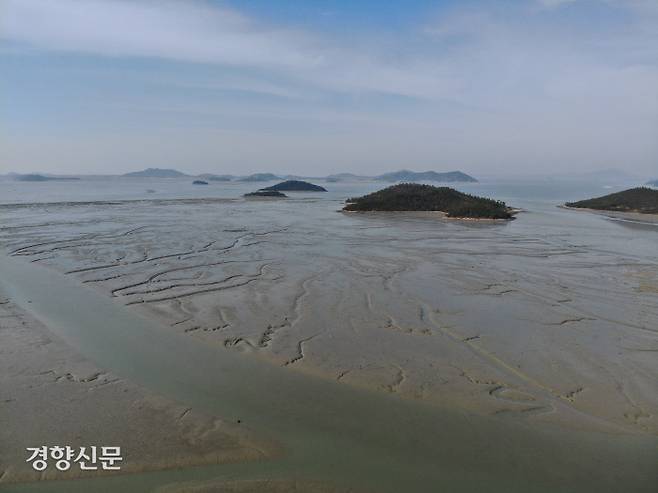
<point>431,215</point>
<point>530,326</point>
<point>638,217</point>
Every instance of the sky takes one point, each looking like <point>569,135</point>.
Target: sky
<point>329,86</point>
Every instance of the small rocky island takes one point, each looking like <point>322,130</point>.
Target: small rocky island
<point>199,182</point>
<point>265,193</point>
<point>641,199</point>
<point>415,197</point>
<point>295,186</point>
<point>36,177</point>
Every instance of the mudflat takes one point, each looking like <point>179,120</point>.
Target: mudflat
<point>497,319</point>
<point>548,321</point>
<point>51,395</point>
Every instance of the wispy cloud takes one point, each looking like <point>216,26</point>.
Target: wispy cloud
<point>460,45</point>
<point>187,31</point>
<point>515,77</point>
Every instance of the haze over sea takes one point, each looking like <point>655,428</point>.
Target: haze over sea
<point>515,190</point>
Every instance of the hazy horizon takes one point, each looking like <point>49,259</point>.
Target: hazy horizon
<point>530,87</point>
<point>603,174</point>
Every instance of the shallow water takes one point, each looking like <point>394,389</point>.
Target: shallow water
<point>331,432</point>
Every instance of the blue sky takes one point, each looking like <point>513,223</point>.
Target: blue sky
<point>313,87</point>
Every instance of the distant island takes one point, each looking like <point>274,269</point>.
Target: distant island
<point>295,186</point>
<point>260,177</point>
<point>199,182</point>
<point>345,177</point>
<point>156,173</point>
<point>36,177</point>
<point>265,193</point>
<point>641,199</point>
<point>404,176</point>
<point>653,183</point>
<point>411,176</point>
<point>211,177</point>
<point>416,197</point>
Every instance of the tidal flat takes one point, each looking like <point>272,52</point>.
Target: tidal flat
<point>539,334</point>
<point>53,395</point>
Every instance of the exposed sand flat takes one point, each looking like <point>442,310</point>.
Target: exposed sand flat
<point>510,320</point>
<point>623,216</point>
<point>50,396</point>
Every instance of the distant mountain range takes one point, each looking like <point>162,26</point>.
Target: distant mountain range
<point>156,173</point>
<point>612,176</point>
<point>393,177</point>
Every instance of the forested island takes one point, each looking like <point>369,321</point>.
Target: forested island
<point>295,186</point>
<point>416,197</point>
<point>265,193</point>
<point>640,199</point>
